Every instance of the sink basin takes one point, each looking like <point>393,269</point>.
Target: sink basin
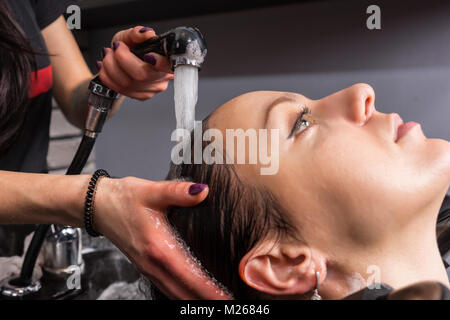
<point>102,269</point>
<point>107,274</point>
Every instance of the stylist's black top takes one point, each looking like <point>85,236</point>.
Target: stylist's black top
<point>443,232</point>
<point>29,152</point>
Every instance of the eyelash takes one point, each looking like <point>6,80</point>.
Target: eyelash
<point>297,125</point>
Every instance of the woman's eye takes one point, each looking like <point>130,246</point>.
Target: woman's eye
<point>302,123</point>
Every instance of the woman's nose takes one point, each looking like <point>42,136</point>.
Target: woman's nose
<point>361,102</point>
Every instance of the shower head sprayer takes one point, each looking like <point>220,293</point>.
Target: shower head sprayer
<point>182,45</point>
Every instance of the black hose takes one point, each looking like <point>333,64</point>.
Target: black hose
<point>82,155</point>
<point>31,256</point>
<point>77,165</point>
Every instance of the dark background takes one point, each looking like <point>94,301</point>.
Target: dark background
<point>311,47</point>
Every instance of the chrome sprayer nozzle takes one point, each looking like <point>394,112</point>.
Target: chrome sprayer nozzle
<point>100,102</point>
<point>182,45</point>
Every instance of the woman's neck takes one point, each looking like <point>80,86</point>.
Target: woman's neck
<point>416,262</point>
<point>409,256</point>
<point>413,255</point>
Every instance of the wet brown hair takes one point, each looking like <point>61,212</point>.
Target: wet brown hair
<point>234,217</point>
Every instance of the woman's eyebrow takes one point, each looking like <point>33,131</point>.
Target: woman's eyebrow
<point>275,103</point>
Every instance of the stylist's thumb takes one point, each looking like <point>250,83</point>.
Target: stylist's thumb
<point>164,194</point>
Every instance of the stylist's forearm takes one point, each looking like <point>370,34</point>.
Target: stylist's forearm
<point>42,199</point>
<point>71,75</point>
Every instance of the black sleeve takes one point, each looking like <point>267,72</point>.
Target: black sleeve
<point>47,11</point>
<point>444,212</point>
<point>445,292</point>
<point>443,232</point>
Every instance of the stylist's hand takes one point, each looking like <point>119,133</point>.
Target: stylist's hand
<point>131,212</point>
<point>125,73</point>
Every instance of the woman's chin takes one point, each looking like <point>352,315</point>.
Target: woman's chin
<point>439,150</point>
<point>435,169</point>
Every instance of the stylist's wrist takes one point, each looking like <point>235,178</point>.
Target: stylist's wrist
<point>106,191</point>
<point>65,202</point>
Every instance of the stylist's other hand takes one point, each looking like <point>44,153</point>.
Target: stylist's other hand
<point>125,73</point>
<point>131,212</point>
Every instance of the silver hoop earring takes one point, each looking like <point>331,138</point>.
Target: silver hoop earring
<point>316,295</point>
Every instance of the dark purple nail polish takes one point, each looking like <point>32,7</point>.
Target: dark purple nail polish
<point>115,45</point>
<point>197,188</point>
<point>104,52</point>
<point>98,65</point>
<point>145,29</point>
<point>150,59</point>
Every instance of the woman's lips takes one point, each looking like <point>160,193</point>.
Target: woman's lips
<point>404,128</point>
<point>399,128</point>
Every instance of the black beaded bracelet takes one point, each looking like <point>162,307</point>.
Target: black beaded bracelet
<point>89,204</point>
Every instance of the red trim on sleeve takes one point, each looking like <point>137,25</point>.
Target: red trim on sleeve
<point>41,82</point>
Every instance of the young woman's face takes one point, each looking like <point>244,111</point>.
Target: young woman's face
<point>348,173</point>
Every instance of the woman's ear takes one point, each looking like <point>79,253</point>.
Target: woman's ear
<point>282,268</point>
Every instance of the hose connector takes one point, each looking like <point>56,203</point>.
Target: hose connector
<point>100,101</point>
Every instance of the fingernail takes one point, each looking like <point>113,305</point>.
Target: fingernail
<point>150,59</point>
<point>197,188</point>
<point>104,52</point>
<point>145,29</point>
<point>115,45</point>
<point>98,65</point>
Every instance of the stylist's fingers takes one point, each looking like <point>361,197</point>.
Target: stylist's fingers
<point>158,62</point>
<point>152,68</point>
<point>174,193</point>
<point>127,74</point>
<point>114,71</point>
<point>134,36</point>
<point>111,83</point>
